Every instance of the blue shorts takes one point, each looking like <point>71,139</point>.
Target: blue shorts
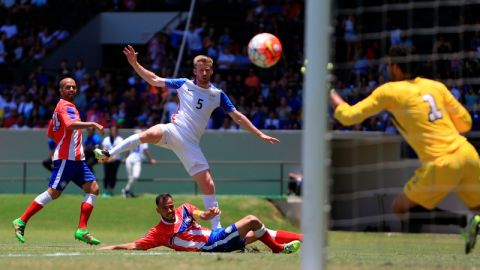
<point>224,240</point>
<point>65,171</point>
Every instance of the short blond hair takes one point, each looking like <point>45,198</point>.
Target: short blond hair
<point>203,59</point>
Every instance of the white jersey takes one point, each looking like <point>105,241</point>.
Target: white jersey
<point>136,154</point>
<point>196,105</point>
<point>108,145</point>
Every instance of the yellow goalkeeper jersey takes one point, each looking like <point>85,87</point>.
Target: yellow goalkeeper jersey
<point>425,113</point>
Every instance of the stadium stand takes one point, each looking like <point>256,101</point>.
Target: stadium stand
<point>445,35</point>
<point>114,95</point>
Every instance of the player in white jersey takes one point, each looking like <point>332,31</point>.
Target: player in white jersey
<point>198,98</point>
<point>133,164</point>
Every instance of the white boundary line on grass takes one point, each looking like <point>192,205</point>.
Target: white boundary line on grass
<point>10,255</point>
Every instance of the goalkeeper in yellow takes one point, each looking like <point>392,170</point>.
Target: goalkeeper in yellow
<point>431,120</point>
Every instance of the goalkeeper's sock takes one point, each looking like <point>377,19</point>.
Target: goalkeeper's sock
<point>422,215</point>
<point>284,237</point>
<point>265,237</point>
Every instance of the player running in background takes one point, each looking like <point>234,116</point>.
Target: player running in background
<point>430,119</point>
<point>133,164</point>
<point>179,230</point>
<point>198,98</point>
<point>65,129</point>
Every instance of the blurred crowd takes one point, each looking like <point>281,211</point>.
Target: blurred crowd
<point>271,98</point>
<point>362,41</point>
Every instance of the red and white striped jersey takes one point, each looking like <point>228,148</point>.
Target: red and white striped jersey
<point>183,235</point>
<point>69,142</point>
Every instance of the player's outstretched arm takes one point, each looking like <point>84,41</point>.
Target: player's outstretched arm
<point>146,74</point>
<point>128,246</point>
<point>207,214</point>
<point>458,113</point>
<point>335,99</point>
<point>150,159</point>
<point>243,121</point>
<point>80,125</point>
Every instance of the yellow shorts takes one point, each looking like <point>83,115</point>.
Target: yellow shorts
<point>457,172</point>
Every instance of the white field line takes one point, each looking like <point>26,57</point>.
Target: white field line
<point>10,255</point>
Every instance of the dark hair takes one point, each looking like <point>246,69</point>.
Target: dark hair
<point>62,83</point>
<point>162,197</point>
<point>402,56</point>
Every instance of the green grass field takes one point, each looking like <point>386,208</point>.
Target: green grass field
<point>50,243</point>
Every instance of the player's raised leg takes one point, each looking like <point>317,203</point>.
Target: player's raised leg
<point>152,135</point>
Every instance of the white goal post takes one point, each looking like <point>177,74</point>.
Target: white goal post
<point>315,144</point>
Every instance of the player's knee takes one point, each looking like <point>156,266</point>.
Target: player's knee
<point>152,136</point>
<point>253,220</point>
<point>94,190</point>
<point>91,188</point>
<point>54,194</point>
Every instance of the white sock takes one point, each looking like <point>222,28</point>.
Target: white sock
<point>90,198</point>
<point>272,233</point>
<point>43,199</point>
<point>127,144</point>
<point>258,233</point>
<point>211,201</point>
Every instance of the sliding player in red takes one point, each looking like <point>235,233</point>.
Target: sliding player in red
<point>179,230</point>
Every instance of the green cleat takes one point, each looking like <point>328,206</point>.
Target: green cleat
<point>85,236</point>
<point>291,247</point>
<point>19,227</point>
<point>101,154</point>
<point>470,233</point>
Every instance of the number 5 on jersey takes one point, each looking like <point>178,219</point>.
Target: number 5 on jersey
<point>199,103</point>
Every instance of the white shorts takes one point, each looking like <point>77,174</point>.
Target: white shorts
<point>133,169</point>
<point>188,152</point>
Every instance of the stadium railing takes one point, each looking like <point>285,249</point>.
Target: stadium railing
<point>231,177</point>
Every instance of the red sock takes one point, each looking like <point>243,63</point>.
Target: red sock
<point>32,209</point>
<point>283,237</point>
<point>272,244</point>
<point>85,211</point>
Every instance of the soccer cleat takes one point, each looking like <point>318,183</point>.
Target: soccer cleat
<point>470,233</point>
<point>106,195</point>
<point>85,236</point>
<point>19,227</point>
<point>291,247</point>
<point>128,193</point>
<point>101,154</point>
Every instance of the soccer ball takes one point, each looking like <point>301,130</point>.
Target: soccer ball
<point>264,50</point>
